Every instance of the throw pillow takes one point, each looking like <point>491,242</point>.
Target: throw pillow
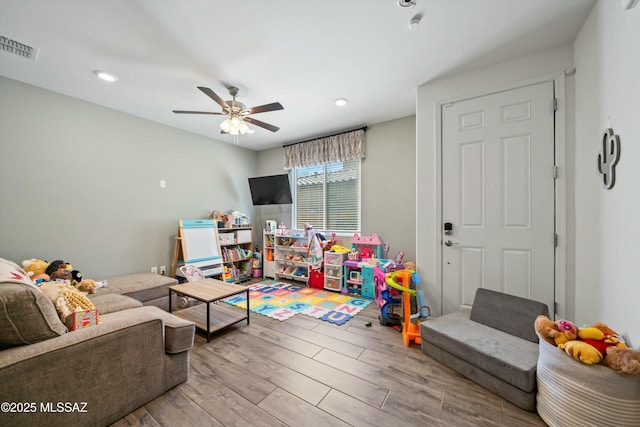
<point>27,316</point>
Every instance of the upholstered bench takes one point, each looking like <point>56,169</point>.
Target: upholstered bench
<point>493,343</point>
<point>148,288</point>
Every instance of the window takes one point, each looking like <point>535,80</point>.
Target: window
<point>328,196</point>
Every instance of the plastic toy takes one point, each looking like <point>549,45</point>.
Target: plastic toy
<point>365,244</point>
<point>411,324</point>
<point>386,298</point>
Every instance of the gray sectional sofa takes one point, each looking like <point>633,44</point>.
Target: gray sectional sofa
<point>493,343</point>
<point>91,376</point>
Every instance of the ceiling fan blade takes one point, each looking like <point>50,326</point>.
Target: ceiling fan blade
<point>197,112</point>
<point>267,126</point>
<point>211,94</point>
<point>267,107</point>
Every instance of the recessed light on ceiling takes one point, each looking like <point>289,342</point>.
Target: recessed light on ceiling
<point>340,102</point>
<point>106,76</point>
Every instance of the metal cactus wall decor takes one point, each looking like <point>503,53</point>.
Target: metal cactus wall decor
<point>608,158</point>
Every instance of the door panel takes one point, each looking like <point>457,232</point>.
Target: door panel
<point>498,192</point>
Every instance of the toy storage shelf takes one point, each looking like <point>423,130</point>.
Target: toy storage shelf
<point>353,277</point>
<point>235,244</point>
<point>268,255</point>
<point>333,270</point>
<point>290,252</point>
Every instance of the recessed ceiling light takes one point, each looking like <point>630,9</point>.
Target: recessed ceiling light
<point>106,76</point>
<point>341,102</point>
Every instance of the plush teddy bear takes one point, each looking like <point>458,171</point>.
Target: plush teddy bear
<point>86,285</point>
<point>595,337</point>
<point>546,328</point>
<point>623,360</point>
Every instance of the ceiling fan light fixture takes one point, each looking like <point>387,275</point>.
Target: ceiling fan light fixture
<point>225,125</point>
<point>237,113</point>
<point>105,75</point>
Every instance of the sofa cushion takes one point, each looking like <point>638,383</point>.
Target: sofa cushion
<point>27,316</point>
<point>509,313</point>
<point>110,303</point>
<point>141,286</point>
<point>505,356</point>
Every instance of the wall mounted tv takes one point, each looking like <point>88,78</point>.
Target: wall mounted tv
<point>270,190</point>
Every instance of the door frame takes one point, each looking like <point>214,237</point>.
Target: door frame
<point>560,133</point>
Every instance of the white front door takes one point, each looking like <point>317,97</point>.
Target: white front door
<point>498,195</point>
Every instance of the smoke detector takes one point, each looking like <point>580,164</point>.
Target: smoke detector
<point>22,50</point>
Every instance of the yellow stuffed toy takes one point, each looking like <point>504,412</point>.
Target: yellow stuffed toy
<point>582,352</point>
<point>35,268</point>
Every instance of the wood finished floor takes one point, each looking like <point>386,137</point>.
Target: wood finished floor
<point>304,371</point>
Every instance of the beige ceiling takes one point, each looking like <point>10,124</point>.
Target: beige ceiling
<point>302,53</point>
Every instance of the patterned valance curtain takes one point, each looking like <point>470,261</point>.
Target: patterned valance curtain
<point>335,148</point>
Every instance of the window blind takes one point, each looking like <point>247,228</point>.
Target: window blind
<point>328,196</point>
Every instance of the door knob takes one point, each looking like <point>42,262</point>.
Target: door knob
<point>450,243</point>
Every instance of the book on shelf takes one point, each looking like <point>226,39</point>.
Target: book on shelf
<point>234,253</point>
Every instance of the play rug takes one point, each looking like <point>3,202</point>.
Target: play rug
<point>282,301</point>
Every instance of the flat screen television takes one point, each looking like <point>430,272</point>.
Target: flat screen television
<point>270,190</point>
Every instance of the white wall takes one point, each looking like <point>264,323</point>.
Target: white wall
<point>81,183</point>
<point>542,66</point>
<point>607,270</point>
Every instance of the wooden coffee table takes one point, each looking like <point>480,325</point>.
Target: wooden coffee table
<point>208,291</point>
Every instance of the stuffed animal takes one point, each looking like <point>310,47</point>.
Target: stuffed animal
<point>86,285</point>
<point>59,269</point>
<point>623,360</point>
<point>566,332</point>
<point>546,328</point>
<point>36,268</point>
<point>66,298</point>
<point>582,352</point>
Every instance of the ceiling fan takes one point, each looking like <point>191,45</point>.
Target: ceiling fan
<point>238,113</point>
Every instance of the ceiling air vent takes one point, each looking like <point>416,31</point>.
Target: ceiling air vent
<point>23,50</point>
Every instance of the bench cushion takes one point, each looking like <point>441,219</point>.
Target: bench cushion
<point>141,286</point>
<point>110,303</point>
<point>508,313</point>
<point>498,353</point>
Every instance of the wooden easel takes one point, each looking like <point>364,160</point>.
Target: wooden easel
<point>178,252</point>
<point>196,240</point>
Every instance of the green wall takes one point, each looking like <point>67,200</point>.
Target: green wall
<point>388,185</point>
<point>81,183</point>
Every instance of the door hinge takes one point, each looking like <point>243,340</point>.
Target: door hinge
<point>555,104</point>
<point>555,172</point>
<point>555,240</point>
<point>555,307</point>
